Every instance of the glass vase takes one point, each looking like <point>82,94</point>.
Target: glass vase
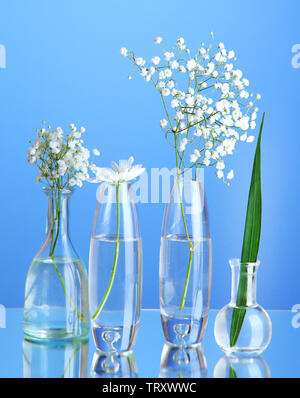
<point>115,270</point>
<point>185,264</point>
<point>56,291</point>
<point>245,327</point>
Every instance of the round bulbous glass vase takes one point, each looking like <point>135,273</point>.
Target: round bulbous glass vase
<point>56,289</point>
<point>243,327</point>
<point>185,264</point>
<point>115,269</point>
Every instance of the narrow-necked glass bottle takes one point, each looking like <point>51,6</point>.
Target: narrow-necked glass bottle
<point>56,292</point>
<point>252,334</point>
<point>115,269</point>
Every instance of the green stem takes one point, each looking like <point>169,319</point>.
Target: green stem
<point>191,249</point>
<point>113,271</point>
<point>53,244</point>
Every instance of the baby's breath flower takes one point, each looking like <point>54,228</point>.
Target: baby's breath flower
<point>211,111</point>
<point>62,161</point>
<point>158,40</point>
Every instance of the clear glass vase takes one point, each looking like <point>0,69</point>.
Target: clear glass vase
<point>185,264</point>
<point>115,270</point>
<point>56,291</point>
<point>57,359</point>
<point>245,327</point>
<point>183,362</point>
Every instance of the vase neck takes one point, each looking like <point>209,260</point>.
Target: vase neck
<point>243,283</point>
<point>58,217</point>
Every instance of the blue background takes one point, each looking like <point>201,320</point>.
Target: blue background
<point>63,65</point>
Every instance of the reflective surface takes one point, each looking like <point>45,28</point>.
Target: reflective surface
<point>151,356</point>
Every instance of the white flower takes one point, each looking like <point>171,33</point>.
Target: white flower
<point>191,64</point>
<point>155,60</point>
<point>165,92</point>
<point>220,165</point>
<point>158,40</point>
<point>61,162</point>
<point>183,144</point>
<point>168,55</point>
<point>174,64</point>
<point>193,158</point>
<point>250,138</point>
<point>163,123</point>
<point>96,152</point>
<point>175,103</point>
<point>230,175</point>
<point>122,172</point>
<point>220,174</point>
<point>124,51</point>
<point>209,103</point>
<point>140,61</point>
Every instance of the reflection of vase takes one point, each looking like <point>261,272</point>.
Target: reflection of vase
<point>115,270</point>
<point>180,361</point>
<point>242,367</point>
<point>245,323</point>
<point>185,264</point>
<point>55,359</point>
<point>114,365</point>
<point>56,293</point>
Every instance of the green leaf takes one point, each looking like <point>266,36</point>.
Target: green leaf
<point>250,243</point>
<point>232,373</point>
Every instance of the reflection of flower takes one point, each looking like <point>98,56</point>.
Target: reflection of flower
<point>124,171</point>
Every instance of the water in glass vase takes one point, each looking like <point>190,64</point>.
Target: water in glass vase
<point>184,324</point>
<point>55,299</point>
<point>115,324</point>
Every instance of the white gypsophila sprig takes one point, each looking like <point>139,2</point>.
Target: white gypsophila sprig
<point>122,172</point>
<point>62,161</point>
<point>207,105</point>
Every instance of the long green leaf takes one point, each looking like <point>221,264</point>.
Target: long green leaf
<point>232,373</point>
<point>250,243</point>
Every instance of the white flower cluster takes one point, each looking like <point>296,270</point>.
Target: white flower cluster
<point>212,110</point>
<point>62,162</point>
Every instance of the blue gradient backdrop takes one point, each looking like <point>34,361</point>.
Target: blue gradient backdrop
<point>63,65</point>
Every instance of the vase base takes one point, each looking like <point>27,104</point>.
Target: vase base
<point>243,352</point>
<point>110,339</point>
<point>54,334</point>
<point>185,331</point>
